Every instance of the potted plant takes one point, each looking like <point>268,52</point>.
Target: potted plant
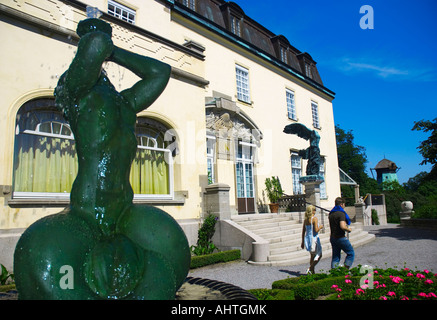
<point>274,193</point>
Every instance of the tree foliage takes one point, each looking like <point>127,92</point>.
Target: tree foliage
<point>352,159</point>
<point>420,189</point>
<point>428,148</point>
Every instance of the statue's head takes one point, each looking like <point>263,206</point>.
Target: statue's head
<point>91,25</point>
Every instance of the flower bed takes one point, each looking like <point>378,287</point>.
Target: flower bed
<point>359,283</point>
<point>389,284</point>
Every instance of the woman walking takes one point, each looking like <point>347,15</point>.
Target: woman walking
<point>310,237</point>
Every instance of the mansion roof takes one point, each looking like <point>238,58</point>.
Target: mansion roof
<point>229,19</point>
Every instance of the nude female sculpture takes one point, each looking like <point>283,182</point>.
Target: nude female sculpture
<point>115,249</point>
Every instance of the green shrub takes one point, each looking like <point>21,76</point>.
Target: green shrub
<point>272,294</point>
<point>5,275</point>
<point>205,233</point>
<point>323,287</point>
<point>286,284</point>
<point>375,219</point>
<point>223,256</point>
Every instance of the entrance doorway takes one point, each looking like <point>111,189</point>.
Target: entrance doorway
<point>245,178</point>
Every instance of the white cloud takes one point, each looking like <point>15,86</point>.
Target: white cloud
<point>387,71</point>
<point>380,71</point>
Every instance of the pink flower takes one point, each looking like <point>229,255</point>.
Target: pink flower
<point>409,274</point>
<point>406,269</point>
<point>347,276</point>
<point>426,271</point>
<point>429,281</point>
<point>375,282</point>
<point>404,298</point>
<point>359,291</point>
<point>396,279</point>
<point>422,294</point>
<point>391,294</point>
<point>364,286</point>
<point>382,298</point>
<point>420,276</point>
<point>431,295</point>
<point>334,286</point>
<point>348,281</point>
<point>375,271</point>
<point>366,281</point>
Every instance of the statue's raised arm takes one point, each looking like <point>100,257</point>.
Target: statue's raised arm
<point>153,73</point>
<point>94,47</point>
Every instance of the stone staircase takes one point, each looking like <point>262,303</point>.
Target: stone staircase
<point>284,234</point>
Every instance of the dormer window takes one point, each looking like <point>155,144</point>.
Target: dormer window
<point>283,55</point>
<point>191,4</point>
<point>235,26</point>
<point>308,71</point>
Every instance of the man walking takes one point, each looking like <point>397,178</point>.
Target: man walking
<point>338,222</point>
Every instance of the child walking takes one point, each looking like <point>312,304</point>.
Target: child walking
<point>310,237</point>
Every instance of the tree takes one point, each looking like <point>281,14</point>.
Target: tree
<point>428,147</point>
<point>352,159</point>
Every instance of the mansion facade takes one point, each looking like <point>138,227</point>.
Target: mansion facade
<point>234,86</point>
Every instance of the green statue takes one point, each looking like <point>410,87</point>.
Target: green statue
<point>312,153</point>
<point>103,246</point>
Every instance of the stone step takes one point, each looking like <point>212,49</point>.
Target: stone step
<point>270,225</point>
<point>302,256</point>
<point>284,233</point>
<point>326,245</point>
<point>294,241</point>
<point>259,216</point>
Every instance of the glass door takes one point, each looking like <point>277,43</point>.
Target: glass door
<point>244,178</point>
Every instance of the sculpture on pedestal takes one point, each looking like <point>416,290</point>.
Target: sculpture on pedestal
<point>312,153</point>
<point>102,246</point>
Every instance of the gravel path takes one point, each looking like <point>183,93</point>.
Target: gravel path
<point>394,246</point>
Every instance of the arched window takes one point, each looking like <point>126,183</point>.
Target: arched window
<point>151,173</point>
<point>45,161</point>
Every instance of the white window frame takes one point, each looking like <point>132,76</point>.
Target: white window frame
<point>169,159</point>
<point>247,158</point>
<point>315,114</point>
<point>291,104</point>
<point>323,194</point>
<point>243,88</point>
<point>210,152</point>
<point>123,10</point>
<point>296,173</point>
<point>38,132</point>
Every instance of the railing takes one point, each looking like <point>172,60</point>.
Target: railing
<point>294,203</point>
<point>297,203</point>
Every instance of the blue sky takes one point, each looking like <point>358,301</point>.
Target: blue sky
<point>384,78</point>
